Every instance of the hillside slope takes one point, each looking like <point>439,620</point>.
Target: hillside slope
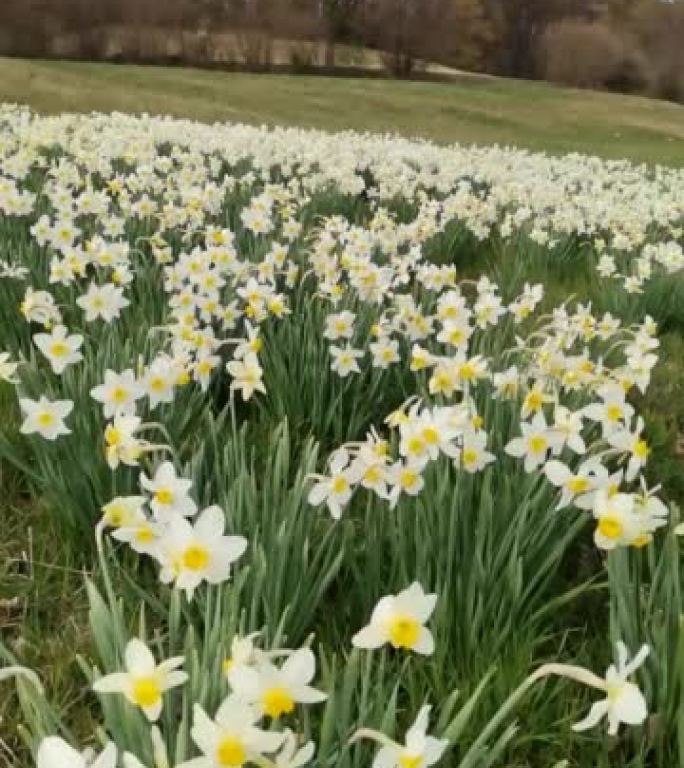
<point>487,110</point>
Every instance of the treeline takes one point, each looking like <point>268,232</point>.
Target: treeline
<point>627,45</point>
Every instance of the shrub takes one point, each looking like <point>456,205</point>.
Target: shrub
<point>591,55</point>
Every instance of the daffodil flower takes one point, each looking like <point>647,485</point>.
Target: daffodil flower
<point>144,682</point>
<point>400,621</point>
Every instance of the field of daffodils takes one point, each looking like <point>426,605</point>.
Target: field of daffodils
<point>346,436</point>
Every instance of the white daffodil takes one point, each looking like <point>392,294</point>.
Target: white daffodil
<point>291,755</point>
<point>369,469</point>
<point>159,381</point>
<point>275,691</point>
<point>619,522</point>
<point>7,368</point>
<point>335,490</point>
<point>613,412</point>
<point>399,620</point>
<point>144,682</point>
<point>122,510</point>
<point>243,653</point>
<point>339,326</point>
<point>404,478</point>
<point>536,442</point>
<point>54,752</point>
<point>247,375</point>
<point>232,738</point>
<point>118,394</point>
<point>473,455</point>
<point>170,493</point>
<point>576,488</point>
<point>59,348</point>
<point>624,702</point>
<point>506,383</point>
<point>419,750</point>
<point>45,417</point>
<point>160,753</point>
<point>634,446</point>
<point>104,302</point>
<point>385,352</point>
<point>344,360</point>
<point>121,444</point>
<point>39,307</point>
<point>190,554</point>
<point>568,426</point>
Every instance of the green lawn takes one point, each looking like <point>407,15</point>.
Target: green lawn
<point>472,109</point>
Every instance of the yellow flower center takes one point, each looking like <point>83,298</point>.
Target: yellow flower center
<point>277,702</point>
<point>115,515</point>
<point>157,384</point>
<point>469,457</point>
<point>372,475</point>
<point>578,484</point>
<point>146,691</point>
<point>537,444</point>
<point>113,436</point>
<point>59,349</point>
<point>408,479</point>
<point>46,419</point>
<point>119,394</point>
<point>403,631</point>
<point>610,527</point>
<point>441,381</point>
<point>641,449</point>
<point>164,496</point>
<point>144,535</point>
<point>431,435</point>
<point>231,752</point>
<point>614,412</point>
<point>534,401</point>
<point>340,484</point>
<point>410,761</point>
<point>642,540</point>
<point>195,558</point>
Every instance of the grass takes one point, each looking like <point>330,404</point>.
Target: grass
<point>472,110</point>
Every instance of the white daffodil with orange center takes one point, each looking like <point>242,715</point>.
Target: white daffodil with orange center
<point>144,682</point>
<point>399,620</point>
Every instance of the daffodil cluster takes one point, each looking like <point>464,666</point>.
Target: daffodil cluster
<point>155,269</point>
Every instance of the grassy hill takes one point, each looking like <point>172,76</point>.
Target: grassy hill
<point>471,109</point>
